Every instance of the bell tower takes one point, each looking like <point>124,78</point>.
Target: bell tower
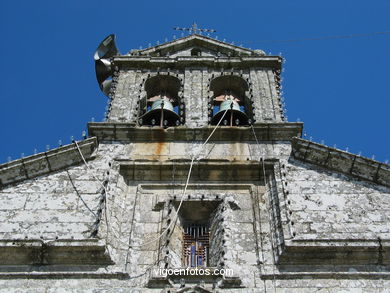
<point>190,82</point>
<point>199,118</point>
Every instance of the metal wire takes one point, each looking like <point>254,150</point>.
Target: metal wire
<point>186,185</point>
<point>334,37</point>
<point>269,217</point>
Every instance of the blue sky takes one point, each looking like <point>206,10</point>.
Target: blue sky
<point>339,88</point>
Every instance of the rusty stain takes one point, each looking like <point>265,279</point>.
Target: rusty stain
<point>160,145</point>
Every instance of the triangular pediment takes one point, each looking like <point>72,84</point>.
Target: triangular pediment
<point>197,45</point>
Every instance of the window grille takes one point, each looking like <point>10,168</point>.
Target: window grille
<point>196,246</point>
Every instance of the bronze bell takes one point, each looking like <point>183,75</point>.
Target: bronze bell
<point>233,117</point>
<point>161,113</point>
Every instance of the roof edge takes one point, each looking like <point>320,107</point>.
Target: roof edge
<point>46,162</point>
<point>341,161</point>
<point>192,37</point>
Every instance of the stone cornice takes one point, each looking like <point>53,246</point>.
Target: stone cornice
<point>65,274</point>
<point>371,275</point>
<point>60,252</point>
<point>202,170</point>
<point>185,61</point>
<point>116,131</point>
<point>336,252</point>
<point>341,161</point>
<point>44,163</point>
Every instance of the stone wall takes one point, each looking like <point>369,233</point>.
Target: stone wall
<point>327,205</point>
<point>51,207</point>
<point>324,205</point>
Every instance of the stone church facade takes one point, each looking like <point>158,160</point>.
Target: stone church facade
<point>195,169</point>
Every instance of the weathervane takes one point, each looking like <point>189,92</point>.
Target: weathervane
<point>194,29</point>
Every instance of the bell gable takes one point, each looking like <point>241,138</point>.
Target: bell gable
<point>197,45</point>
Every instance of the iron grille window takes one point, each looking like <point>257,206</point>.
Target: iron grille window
<point>196,245</point>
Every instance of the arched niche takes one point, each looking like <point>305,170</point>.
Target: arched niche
<point>229,95</point>
<point>162,107</point>
<point>196,52</point>
<point>159,86</point>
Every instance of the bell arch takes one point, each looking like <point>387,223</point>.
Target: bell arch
<point>162,105</point>
<point>229,95</point>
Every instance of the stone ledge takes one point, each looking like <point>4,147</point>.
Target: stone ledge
<point>116,131</point>
<point>63,275</point>
<point>25,254</point>
<point>47,162</point>
<point>183,62</point>
<point>336,252</point>
<point>202,170</point>
<point>326,275</point>
<point>340,161</point>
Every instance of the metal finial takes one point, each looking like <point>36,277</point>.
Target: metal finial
<point>194,29</point>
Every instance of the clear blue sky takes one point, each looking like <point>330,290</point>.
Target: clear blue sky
<point>339,88</point>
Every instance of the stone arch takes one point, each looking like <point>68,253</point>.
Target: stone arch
<point>196,52</point>
<point>231,88</point>
<point>162,106</point>
<point>158,84</point>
